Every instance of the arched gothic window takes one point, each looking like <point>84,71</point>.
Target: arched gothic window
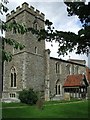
<point>13,77</point>
<point>58,88</point>
<point>58,68</point>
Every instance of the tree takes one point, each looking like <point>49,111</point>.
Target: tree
<point>69,41</point>
<point>83,12</point>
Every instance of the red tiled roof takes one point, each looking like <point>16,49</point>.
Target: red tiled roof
<point>73,80</point>
<point>88,74</point>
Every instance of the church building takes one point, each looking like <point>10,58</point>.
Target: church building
<point>33,67</point>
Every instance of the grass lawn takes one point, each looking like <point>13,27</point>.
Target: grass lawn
<point>50,110</point>
<point>0,110</point>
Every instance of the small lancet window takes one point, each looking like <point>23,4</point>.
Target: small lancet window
<point>36,50</point>
<point>57,68</point>
<point>35,25</point>
<point>13,77</point>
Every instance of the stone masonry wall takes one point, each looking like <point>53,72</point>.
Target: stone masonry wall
<point>64,71</point>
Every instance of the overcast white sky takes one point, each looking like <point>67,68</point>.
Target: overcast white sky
<point>55,11</point>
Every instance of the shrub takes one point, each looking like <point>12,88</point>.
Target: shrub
<point>28,96</point>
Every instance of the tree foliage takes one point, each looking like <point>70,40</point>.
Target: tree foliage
<point>82,10</point>
<point>69,41</point>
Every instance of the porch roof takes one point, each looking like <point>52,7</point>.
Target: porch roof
<point>73,80</point>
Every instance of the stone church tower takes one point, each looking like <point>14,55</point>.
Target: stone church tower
<point>27,68</point>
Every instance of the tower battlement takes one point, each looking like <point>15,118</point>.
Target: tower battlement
<point>25,7</point>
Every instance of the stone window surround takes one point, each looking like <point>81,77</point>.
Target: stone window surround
<point>13,83</point>
<point>73,69</point>
<point>12,95</point>
<point>58,68</point>
<point>58,86</point>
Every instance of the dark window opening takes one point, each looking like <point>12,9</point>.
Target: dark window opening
<point>57,89</point>
<point>35,49</point>
<point>13,77</point>
<point>12,95</point>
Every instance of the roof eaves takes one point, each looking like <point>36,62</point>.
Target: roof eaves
<point>67,61</point>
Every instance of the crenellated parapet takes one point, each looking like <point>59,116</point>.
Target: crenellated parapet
<point>25,7</point>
